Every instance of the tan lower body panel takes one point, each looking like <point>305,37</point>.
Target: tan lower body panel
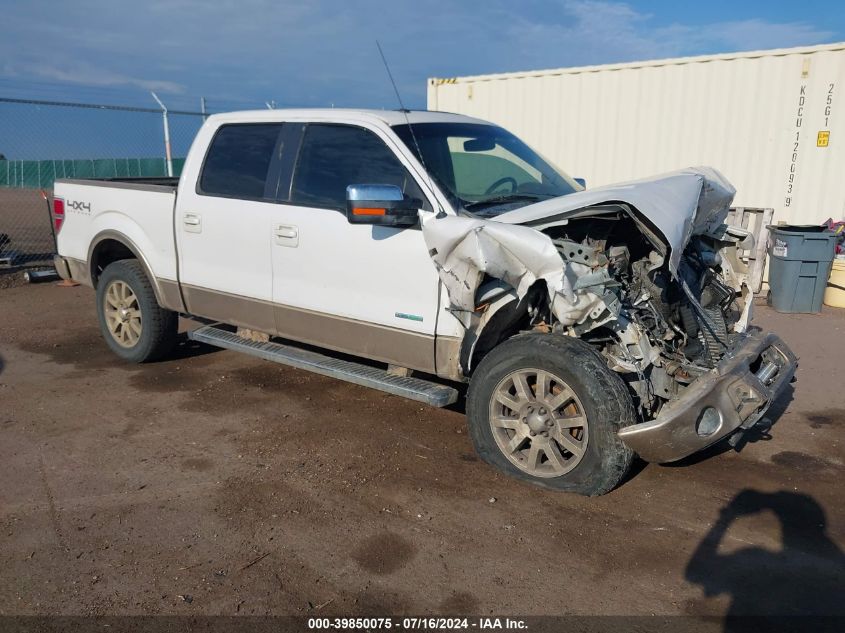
<point>70,268</point>
<point>377,342</point>
<point>447,355</point>
<point>242,311</point>
<point>169,295</point>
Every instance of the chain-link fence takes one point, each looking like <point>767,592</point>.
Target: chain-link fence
<point>41,141</point>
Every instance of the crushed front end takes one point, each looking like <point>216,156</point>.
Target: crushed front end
<point>647,273</point>
<point>730,398</point>
<point>696,370</point>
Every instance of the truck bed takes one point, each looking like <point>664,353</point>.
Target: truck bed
<point>137,212</point>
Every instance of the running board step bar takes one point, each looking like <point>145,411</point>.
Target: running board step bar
<point>408,387</point>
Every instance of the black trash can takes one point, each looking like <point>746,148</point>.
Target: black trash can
<point>800,258</point>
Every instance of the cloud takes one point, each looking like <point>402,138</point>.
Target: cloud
<point>87,75</point>
<point>754,34</point>
<point>600,32</point>
<point>323,52</point>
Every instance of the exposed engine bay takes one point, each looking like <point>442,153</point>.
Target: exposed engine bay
<point>657,287</point>
<point>659,331</point>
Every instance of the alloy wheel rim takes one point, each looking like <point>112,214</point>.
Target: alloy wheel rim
<point>123,313</point>
<point>538,422</point>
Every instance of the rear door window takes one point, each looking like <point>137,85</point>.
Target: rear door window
<point>238,163</point>
<point>332,157</point>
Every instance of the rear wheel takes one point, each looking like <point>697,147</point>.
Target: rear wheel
<point>134,326</point>
<point>546,409</point>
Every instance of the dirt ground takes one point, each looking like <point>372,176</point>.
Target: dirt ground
<point>25,220</point>
<point>215,483</point>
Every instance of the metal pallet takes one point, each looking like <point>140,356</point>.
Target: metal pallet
<point>408,387</point>
<point>757,221</point>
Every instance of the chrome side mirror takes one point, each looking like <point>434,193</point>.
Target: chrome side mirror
<point>385,205</point>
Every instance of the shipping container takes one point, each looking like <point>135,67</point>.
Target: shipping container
<point>772,121</point>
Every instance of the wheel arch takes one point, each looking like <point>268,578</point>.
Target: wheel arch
<point>110,246</point>
<point>504,317</point>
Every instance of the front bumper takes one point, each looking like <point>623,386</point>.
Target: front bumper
<point>741,388</point>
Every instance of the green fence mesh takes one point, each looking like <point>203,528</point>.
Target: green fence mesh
<point>40,174</point>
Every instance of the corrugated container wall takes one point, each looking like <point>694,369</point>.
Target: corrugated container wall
<point>772,121</point>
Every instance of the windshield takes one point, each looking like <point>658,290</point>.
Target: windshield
<point>484,168</point>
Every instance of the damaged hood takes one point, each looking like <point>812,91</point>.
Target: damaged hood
<point>679,204</point>
<point>465,249</point>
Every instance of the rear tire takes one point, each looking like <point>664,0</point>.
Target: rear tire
<point>546,409</point>
<point>134,325</point>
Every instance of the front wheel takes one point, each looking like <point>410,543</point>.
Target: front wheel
<point>546,409</point>
<point>135,327</point>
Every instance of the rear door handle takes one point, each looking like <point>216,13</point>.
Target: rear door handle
<point>286,235</point>
<point>192,222</point>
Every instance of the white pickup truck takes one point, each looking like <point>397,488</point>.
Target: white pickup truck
<point>591,325</point>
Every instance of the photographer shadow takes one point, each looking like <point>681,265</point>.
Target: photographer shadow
<point>806,577</point>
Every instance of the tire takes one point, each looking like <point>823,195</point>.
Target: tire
<point>563,434</point>
<point>134,326</point>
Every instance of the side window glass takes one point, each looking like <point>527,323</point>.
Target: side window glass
<point>333,157</point>
<point>238,160</point>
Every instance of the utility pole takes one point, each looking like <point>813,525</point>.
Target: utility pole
<point>167,155</point>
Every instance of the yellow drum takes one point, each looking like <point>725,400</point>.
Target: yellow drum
<point>834,294</point>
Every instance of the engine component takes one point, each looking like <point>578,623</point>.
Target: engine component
<point>580,253</point>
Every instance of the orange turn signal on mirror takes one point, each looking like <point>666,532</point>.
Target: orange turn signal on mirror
<point>367,211</point>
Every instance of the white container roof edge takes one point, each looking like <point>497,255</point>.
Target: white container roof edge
<point>673,61</point>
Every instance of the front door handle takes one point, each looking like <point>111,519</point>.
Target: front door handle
<point>286,235</point>
<point>192,222</point>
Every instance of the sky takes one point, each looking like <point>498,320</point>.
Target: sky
<point>241,53</point>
